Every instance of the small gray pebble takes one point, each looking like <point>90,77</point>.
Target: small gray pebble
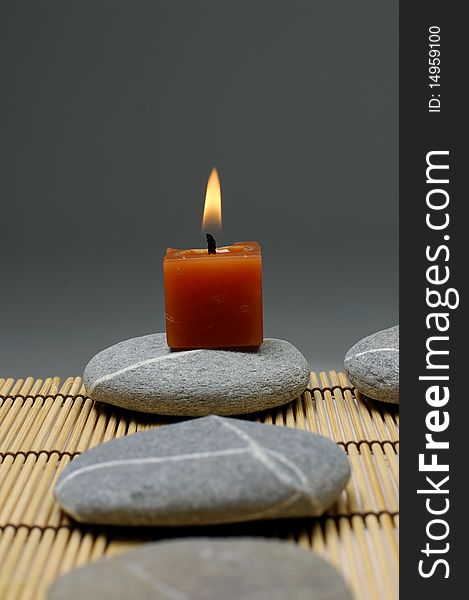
<point>209,470</point>
<point>206,569</point>
<point>372,365</point>
<point>143,374</point>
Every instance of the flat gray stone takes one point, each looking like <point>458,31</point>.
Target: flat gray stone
<point>206,569</point>
<point>372,365</point>
<point>143,374</point>
<point>204,471</point>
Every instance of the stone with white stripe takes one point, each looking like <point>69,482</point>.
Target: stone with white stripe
<point>143,374</point>
<point>372,365</point>
<point>206,569</point>
<point>204,471</point>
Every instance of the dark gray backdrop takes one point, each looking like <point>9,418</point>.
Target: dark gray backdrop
<point>112,113</point>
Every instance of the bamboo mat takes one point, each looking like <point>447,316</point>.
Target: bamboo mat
<point>45,423</point>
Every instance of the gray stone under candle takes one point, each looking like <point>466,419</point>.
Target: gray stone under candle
<point>210,470</point>
<point>206,569</point>
<point>143,374</point>
<point>372,365</point>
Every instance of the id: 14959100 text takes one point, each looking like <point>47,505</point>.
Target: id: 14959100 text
<point>434,69</point>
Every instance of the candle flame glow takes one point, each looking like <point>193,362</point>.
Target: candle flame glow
<point>212,209</point>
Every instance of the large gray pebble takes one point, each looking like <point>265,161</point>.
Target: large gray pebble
<point>372,365</point>
<point>204,471</point>
<point>143,374</point>
<point>206,569</point>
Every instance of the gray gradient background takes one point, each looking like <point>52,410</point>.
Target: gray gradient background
<point>112,113</point>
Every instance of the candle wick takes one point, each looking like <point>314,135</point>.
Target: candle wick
<point>211,243</point>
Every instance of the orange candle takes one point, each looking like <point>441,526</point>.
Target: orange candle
<point>213,296</point>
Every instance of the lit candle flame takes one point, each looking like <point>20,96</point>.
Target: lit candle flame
<point>212,209</point>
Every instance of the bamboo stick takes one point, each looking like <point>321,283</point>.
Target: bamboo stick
<point>44,422</point>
